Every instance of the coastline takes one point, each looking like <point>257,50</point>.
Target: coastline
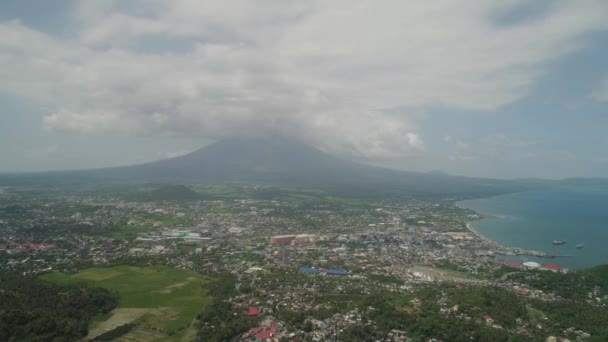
<point>500,249</point>
<point>478,235</point>
<point>531,220</point>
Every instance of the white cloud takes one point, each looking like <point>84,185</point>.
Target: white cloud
<point>83,121</point>
<point>331,73</point>
<point>172,154</point>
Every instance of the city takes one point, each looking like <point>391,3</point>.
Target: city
<point>302,268</point>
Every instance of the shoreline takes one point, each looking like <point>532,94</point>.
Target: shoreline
<point>500,249</point>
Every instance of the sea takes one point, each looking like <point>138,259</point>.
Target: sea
<point>532,220</point>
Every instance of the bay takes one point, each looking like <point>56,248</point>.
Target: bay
<point>532,220</point>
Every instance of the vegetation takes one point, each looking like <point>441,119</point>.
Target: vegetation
<point>126,232</point>
<point>217,321</point>
<point>598,275</point>
<point>575,285</point>
<point>580,316</point>
<point>176,295</point>
<point>115,333</point>
<point>168,193</point>
<point>36,310</point>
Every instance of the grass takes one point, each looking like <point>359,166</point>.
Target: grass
<point>129,232</point>
<point>320,198</point>
<point>534,315</point>
<point>176,295</point>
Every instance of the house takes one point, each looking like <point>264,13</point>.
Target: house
<point>552,267</point>
<point>336,272</point>
<point>268,332</point>
<point>510,263</point>
<point>309,270</point>
<point>252,311</point>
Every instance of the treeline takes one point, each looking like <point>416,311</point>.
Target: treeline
<point>35,310</point>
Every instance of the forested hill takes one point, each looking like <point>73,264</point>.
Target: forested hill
<point>36,310</point>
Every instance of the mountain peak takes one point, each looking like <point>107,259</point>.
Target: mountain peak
<point>257,156</point>
<point>277,160</point>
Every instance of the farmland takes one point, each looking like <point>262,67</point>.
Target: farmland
<point>159,301</point>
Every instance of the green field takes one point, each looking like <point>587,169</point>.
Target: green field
<point>129,232</point>
<point>172,296</point>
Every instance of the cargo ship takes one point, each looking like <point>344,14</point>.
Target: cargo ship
<point>559,242</point>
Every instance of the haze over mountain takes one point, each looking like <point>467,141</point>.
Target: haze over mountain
<point>273,160</point>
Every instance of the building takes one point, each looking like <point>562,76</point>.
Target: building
<point>252,311</point>
<point>531,265</point>
<point>305,238</point>
<point>552,267</point>
<point>282,240</point>
<point>236,230</point>
<point>309,270</point>
<point>510,263</point>
<point>336,272</point>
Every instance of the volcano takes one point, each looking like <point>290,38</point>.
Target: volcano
<point>273,161</point>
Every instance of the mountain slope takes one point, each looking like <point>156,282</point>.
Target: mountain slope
<point>276,161</point>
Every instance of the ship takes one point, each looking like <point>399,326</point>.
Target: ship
<point>559,242</point>
<point>580,245</point>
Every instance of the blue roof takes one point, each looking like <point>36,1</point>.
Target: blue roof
<point>309,270</point>
<point>337,272</point>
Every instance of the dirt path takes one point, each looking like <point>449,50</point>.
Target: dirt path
<point>190,334</point>
<point>119,317</point>
<point>170,288</point>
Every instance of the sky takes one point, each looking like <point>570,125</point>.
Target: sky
<point>504,89</point>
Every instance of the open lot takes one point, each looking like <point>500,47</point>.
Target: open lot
<point>441,274</point>
<point>157,299</point>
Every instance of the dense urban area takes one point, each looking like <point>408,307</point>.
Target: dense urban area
<point>254,263</point>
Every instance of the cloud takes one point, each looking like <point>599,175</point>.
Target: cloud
<point>499,148</point>
<point>601,93</point>
<point>84,121</point>
<point>42,152</point>
<point>599,160</point>
<point>495,146</point>
<point>172,154</point>
<point>350,78</point>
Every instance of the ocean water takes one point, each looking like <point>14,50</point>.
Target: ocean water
<point>532,220</point>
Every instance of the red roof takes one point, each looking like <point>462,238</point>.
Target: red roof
<point>267,332</point>
<point>253,311</point>
<point>511,263</point>
<point>552,267</point>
